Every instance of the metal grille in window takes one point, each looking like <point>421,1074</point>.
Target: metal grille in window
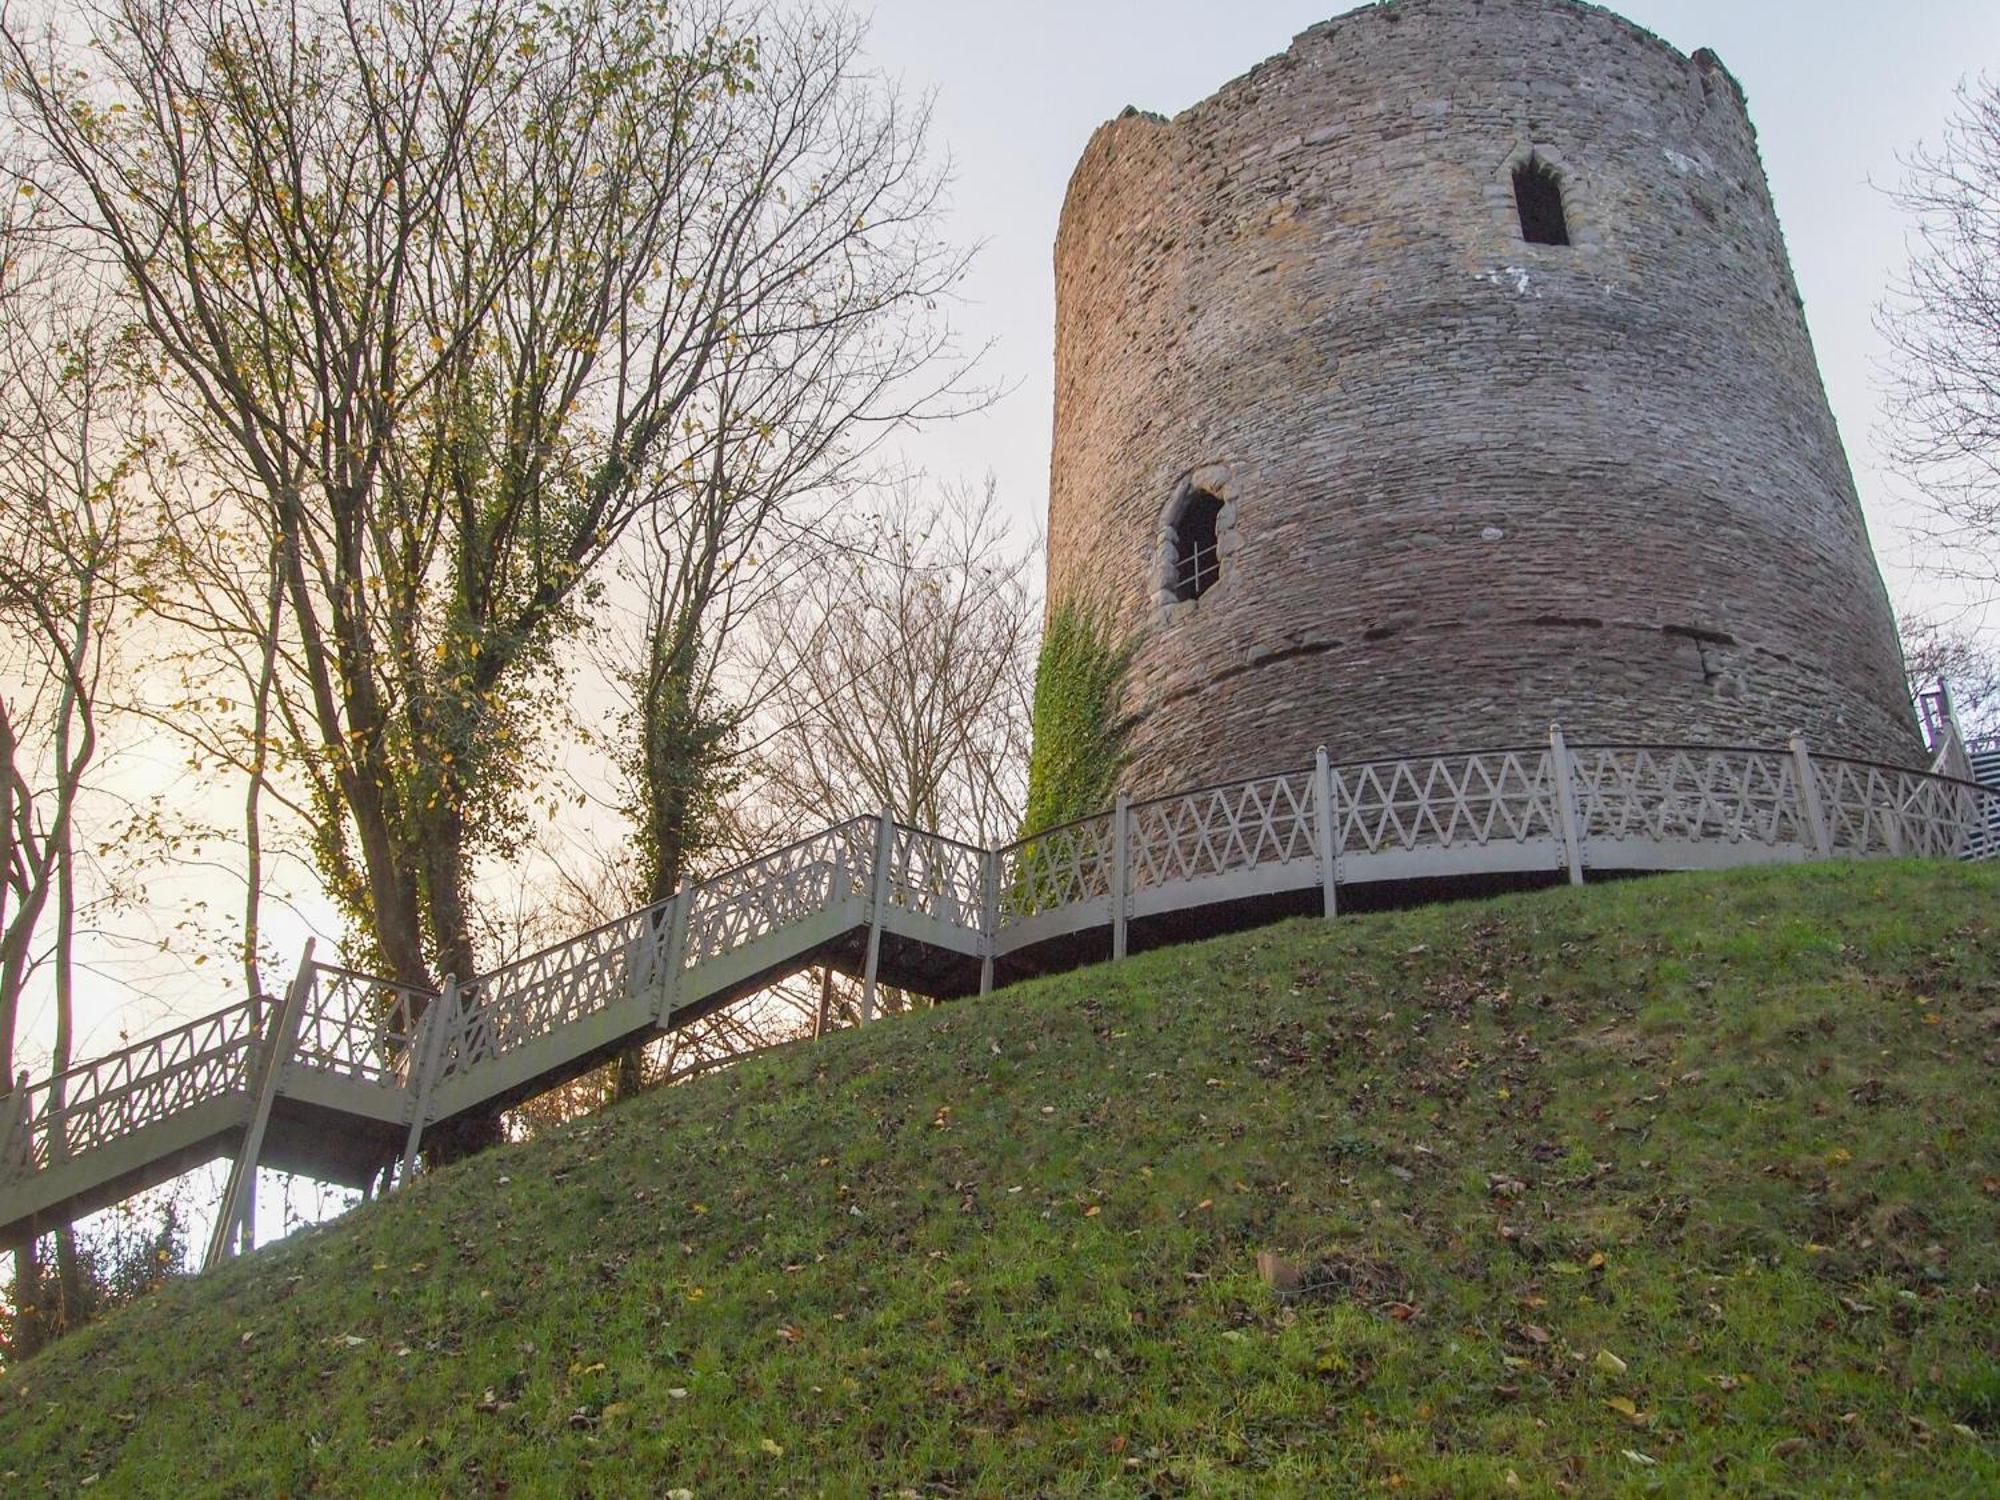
<point>1197,550</point>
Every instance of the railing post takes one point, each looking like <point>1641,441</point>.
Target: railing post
<point>673,955</point>
<point>1329,854</point>
<point>1564,772</point>
<point>1121,873</point>
<point>1808,778</point>
<point>1893,819</point>
<point>436,1026</point>
<point>989,919</point>
<point>284,1035</point>
<point>14,1131</point>
<point>885,841</point>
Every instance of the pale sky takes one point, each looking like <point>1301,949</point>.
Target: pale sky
<point>1837,89</point>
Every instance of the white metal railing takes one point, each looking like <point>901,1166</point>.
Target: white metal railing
<point>1691,794</point>
<point>1875,810</point>
<point>937,877</point>
<point>358,1027</point>
<point>540,994</point>
<point>1509,809</point>
<point>1068,865</point>
<point>1212,832</point>
<point>125,1091</point>
<point>1546,808</point>
<point>751,901</point>
<point>1478,799</point>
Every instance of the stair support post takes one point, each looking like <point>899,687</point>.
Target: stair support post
<point>1563,770</point>
<point>1121,874</point>
<point>435,1027</point>
<point>1815,811</point>
<point>989,919</point>
<point>1329,855</point>
<point>240,1194</point>
<point>878,903</point>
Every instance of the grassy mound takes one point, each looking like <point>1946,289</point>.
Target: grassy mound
<point>1682,1185</point>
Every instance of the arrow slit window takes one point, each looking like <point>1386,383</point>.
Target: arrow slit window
<point>1539,196</point>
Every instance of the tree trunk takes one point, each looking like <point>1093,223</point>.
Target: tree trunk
<point>30,1315</point>
<point>443,858</point>
<point>668,775</point>
<point>71,1310</point>
<point>825,1002</point>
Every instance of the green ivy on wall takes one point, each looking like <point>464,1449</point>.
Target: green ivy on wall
<point>1080,730</point>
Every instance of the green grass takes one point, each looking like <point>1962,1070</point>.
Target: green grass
<point>1685,1185</point>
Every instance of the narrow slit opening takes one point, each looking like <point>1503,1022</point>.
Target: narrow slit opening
<point>1538,195</point>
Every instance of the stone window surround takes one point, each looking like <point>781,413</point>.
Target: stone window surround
<point>1581,212</point>
<point>1218,480</point>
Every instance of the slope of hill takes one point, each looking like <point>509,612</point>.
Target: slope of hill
<point>1684,1185</point>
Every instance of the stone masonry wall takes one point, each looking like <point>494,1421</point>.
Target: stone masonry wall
<point>1473,485</point>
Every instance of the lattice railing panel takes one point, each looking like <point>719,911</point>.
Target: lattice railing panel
<point>358,1027</point>
<point>1061,867</point>
<point>1690,795</point>
<point>150,1081</point>
<point>366,1029</point>
<point>752,901</point>
<point>1881,810</point>
<point>1449,802</point>
<point>540,994</point>
<point>937,877</point>
<point>1223,830</point>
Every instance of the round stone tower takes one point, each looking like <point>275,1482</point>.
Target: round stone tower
<point>1446,377</point>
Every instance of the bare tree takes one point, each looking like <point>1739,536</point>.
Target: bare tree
<point>1965,662</point>
<point>1942,324</point>
<point>908,673</point>
<point>69,561</point>
<point>902,678</point>
<point>790,436</point>
<point>447,295</point>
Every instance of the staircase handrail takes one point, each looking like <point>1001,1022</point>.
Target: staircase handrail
<point>1891,808</point>
<point>116,1076</point>
<point>158,1038</point>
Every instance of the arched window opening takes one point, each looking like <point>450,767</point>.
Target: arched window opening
<point>1538,194</point>
<point>1197,548</point>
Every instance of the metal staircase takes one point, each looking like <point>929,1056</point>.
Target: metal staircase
<point>346,1074</point>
